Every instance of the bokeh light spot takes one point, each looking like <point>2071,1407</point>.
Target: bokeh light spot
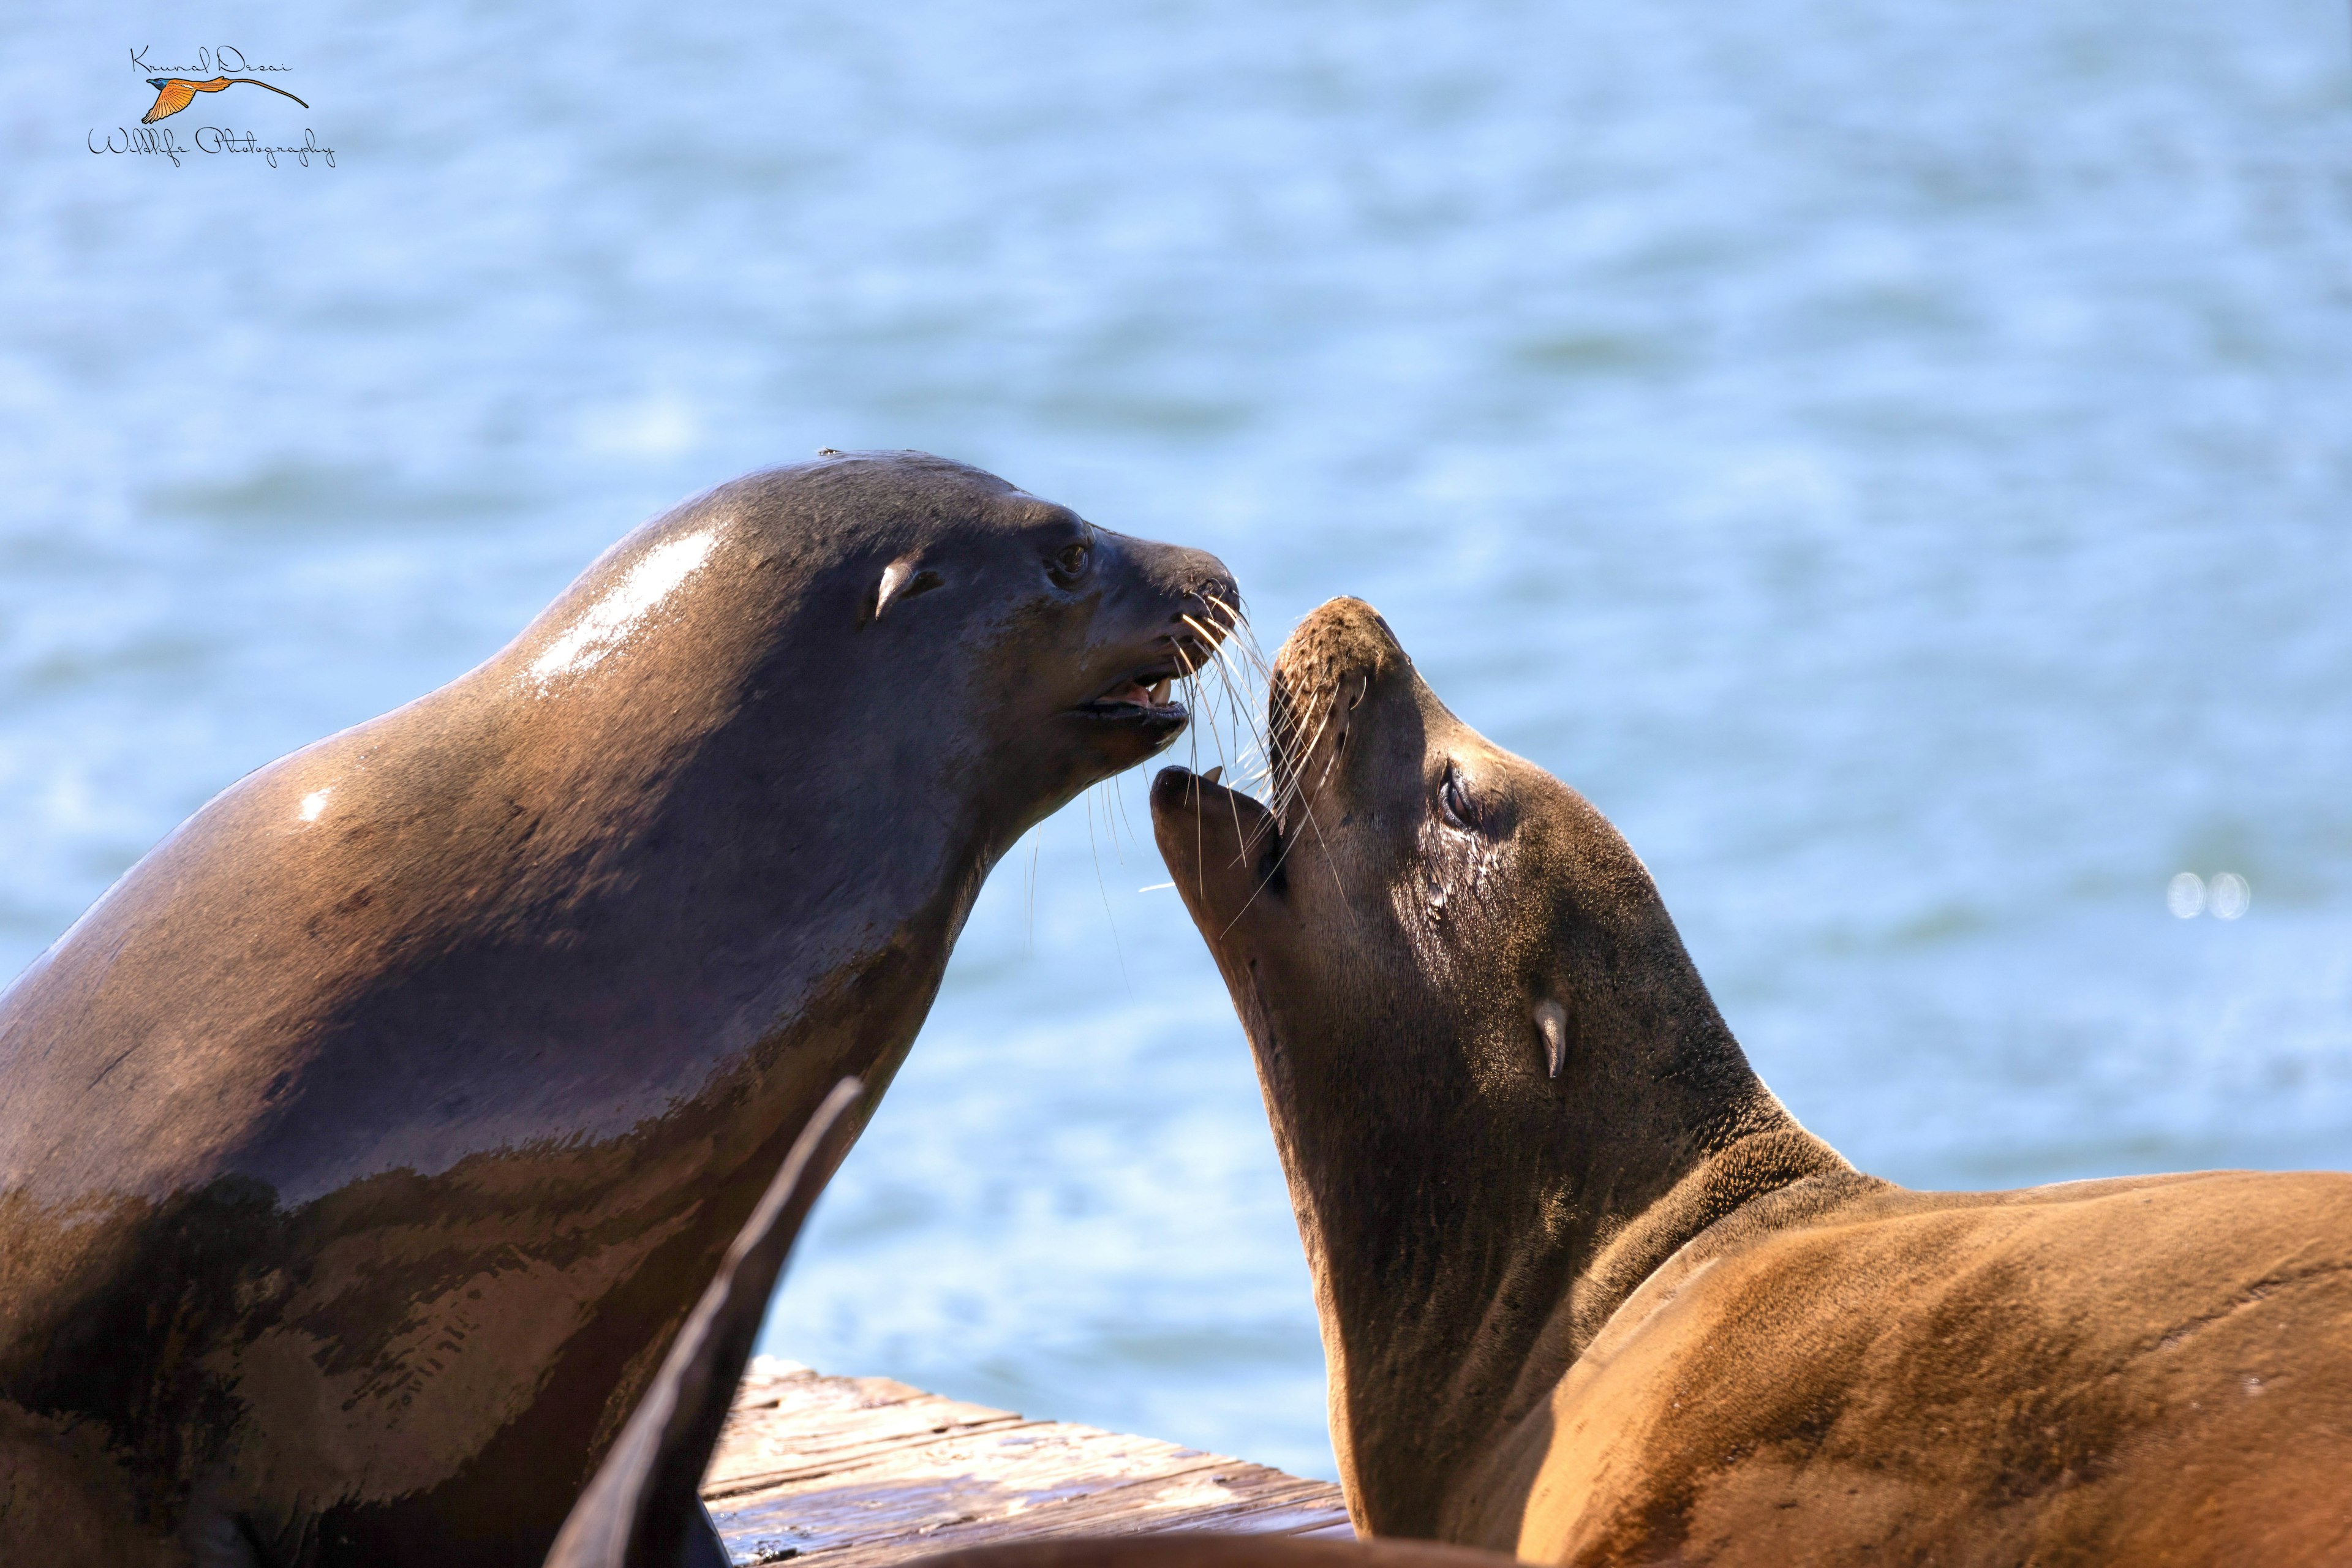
<point>2229,896</point>
<point>2186,896</point>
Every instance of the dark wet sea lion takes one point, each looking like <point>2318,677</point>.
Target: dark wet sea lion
<point>363,1147</point>
<point>1590,1294</point>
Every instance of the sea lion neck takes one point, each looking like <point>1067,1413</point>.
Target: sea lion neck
<point>1468,1239</point>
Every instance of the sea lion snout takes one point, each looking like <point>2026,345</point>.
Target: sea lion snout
<point>1205,603</point>
<point>1323,673</point>
<point>1163,610</point>
<point>1190,603</point>
<point>1222,848</point>
<point>1230,854</point>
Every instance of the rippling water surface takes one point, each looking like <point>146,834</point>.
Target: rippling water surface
<point>1894,459</point>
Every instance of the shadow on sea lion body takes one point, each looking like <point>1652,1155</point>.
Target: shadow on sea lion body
<point>363,1146</point>
<point>1589,1292</point>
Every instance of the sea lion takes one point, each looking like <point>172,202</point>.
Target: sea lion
<point>1590,1294</point>
<point>363,1147</point>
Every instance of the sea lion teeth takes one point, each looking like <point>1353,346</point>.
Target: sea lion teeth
<point>1636,1313</point>
<point>1127,693</point>
<point>1159,693</point>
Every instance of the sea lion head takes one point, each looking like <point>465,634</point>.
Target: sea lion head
<point>890,627</point>
<point>1070,635</point>
<point>1446,917</point>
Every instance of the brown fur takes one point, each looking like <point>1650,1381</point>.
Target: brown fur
<point>1635,1314</point>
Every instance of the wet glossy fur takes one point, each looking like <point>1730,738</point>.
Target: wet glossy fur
<point>362,1148</point>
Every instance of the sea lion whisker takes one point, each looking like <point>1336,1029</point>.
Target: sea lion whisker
<point>1241,631</point>
<point>1233,805</point>
<point>1119,820</point>
<point>1251,666</point>
<point>1117,949</point>
<point>1029,893</point>
<point>1234,655</point>
<point>1240,684</point>
<point>1289,791</point>
<point>1330,862</point>
<point>1200,846</point>
<point>1244,646</point>
<point>1329,705</point>
<point>1282,859</point>
<point>1214,649</point>
<point>1235,708</point>
<point>1218,737</point>
<point>1242,707</point>
<point>1215,639</point>
<point>1292,792</point>
<point>1213,634</point>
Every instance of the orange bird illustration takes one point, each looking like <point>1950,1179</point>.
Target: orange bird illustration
<point>173,93</point>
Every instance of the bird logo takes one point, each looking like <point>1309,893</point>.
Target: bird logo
<point>174,93</point>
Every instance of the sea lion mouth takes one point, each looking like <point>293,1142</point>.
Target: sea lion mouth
<point>1223,848</point>
<point>1140,701</point>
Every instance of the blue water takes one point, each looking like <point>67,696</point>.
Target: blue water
<point>1894,459</point>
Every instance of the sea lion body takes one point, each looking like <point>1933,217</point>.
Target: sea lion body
<point>1591,1295</point>
<point>360,1149</point>
<point>2141,1371</point>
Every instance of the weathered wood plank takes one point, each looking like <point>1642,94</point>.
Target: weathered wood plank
<point>862,1472</point>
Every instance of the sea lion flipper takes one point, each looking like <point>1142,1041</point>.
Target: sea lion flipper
<point>642,1509</point>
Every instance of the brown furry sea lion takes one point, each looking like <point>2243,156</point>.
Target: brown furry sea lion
<point>1591,1295</point>
<point>363,1146</point>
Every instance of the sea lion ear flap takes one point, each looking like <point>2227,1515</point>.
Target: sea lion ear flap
<point>1551,1022</point>
<point>901,580</point>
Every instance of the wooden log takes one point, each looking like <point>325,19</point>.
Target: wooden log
<point>862,1471</point>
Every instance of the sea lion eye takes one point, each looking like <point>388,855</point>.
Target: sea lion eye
<point>1454,800</point>
<point>1068,564</point>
